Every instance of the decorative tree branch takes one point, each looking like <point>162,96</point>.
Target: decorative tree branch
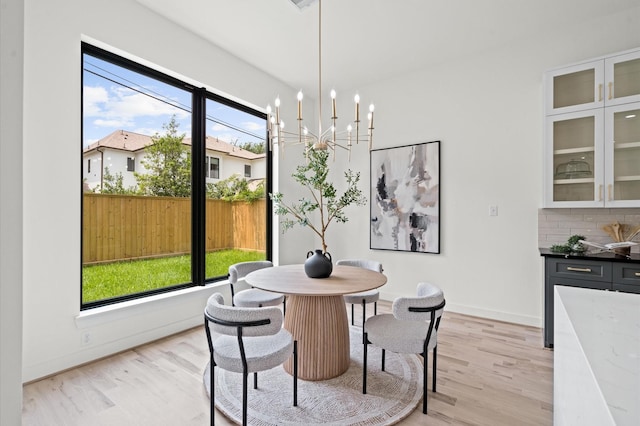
<point>324,197</point>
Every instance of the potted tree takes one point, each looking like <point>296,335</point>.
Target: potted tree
<point>323,201</point>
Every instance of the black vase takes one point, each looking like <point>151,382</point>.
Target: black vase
<point>318,264</point>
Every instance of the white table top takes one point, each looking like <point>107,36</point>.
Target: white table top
<point>607,327</point>
<point>291,279</point>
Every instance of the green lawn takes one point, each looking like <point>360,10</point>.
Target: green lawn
<point>121,278</point>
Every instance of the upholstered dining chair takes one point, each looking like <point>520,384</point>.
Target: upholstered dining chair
<point>371,296</point>
<point>412,328</point>
<point>249,340</point>
<point>252,297</point>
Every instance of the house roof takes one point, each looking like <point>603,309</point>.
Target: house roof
<point>124,140</point>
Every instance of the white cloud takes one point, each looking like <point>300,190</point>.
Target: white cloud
<point>217,127</point>
<point>253,126</point>
<point>120,124</point>
<point>122,105</point>
<point>92,98</point>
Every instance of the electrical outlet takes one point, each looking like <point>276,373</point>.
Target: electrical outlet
<point>85,338</point>
<point>493,210</point>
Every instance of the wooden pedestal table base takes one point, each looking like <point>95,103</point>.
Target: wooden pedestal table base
<point>316,313</point>
<point>320,325</point>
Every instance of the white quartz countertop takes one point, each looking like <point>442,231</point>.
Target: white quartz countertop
<point>599,330</point>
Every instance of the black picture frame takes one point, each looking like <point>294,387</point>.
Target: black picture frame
<point>405,198</point>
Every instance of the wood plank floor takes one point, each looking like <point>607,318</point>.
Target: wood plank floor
<point>489,373</point>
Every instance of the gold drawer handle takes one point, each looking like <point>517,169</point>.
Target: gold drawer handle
<point>610,90</point>
<point>637,274</point>
<point>571,268</point>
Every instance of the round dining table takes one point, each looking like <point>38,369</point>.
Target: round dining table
<point>316,313</point>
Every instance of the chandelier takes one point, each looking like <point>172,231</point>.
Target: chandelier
<point>331,138</point>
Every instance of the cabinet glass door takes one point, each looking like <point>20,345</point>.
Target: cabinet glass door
<point>575,88</point>
<point>623,140</point>
<point>622,75</point>
<point>575,178</point>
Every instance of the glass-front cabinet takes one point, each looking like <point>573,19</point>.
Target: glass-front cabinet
<point>622,77</point>
<point>604,82</point>
<point>592,134</point>
<point>622,139</point>
<point>575,88</point>
<point>575,171</point>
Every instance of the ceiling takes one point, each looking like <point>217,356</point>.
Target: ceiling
<point>368,40</point>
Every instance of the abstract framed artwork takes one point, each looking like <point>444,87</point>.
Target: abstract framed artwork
<point>405,198</point>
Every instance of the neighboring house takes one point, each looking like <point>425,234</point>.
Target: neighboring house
<point>123,151</point>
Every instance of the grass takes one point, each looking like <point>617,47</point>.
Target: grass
<point>106,281</point>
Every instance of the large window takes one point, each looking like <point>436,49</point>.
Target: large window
<point>157,226</point>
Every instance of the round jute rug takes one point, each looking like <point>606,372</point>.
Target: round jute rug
<point>391,395</point>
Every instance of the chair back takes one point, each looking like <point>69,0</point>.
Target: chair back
<point>248,322</point>
<point>426,306</point>
<point>362,263</point>
<point>242,269</point>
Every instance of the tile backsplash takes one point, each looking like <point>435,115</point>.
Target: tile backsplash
<point>555,226</point>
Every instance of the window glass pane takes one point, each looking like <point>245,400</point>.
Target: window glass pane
<point>574,89</point>
<point>235,205</point>
<point>136,221</point>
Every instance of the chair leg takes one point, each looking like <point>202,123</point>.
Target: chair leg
<point>232,295</point>
<point>424,384</point>
<point>383,356</point>
<point>255,380</point>
<point>352,314</point>
<point>364,364</point>
<point>284,306</point>
<point>244,397</point>
<point>433,373</point>
<point>295,373</point>
<point>212,403</point>
<point>375,308</point>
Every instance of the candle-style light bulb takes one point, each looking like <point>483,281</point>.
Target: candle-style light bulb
<point>333,104</point>
<point>356,99</point>
<point>269,109</point>
<point>300,96</point>
<point>277,104</point>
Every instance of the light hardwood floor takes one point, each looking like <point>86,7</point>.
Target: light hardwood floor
<point>489,373</point>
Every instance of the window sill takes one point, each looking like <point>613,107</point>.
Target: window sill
<point>129,309</point>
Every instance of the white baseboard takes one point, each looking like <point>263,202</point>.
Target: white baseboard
<point>476,311</point>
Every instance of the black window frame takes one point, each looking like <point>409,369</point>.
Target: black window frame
<point>247,170</point>
<point>131,164</point>
<point>198,173</point>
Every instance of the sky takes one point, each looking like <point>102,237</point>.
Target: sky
<point>115,98</point>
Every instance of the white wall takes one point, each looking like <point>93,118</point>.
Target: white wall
<point>11,58</point>
<point>53,34</point>
<point>486,110</point>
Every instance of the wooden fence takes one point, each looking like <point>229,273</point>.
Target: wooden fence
<point>122,227</point>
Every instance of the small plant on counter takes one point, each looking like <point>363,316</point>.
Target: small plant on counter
<point>573,245</point>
